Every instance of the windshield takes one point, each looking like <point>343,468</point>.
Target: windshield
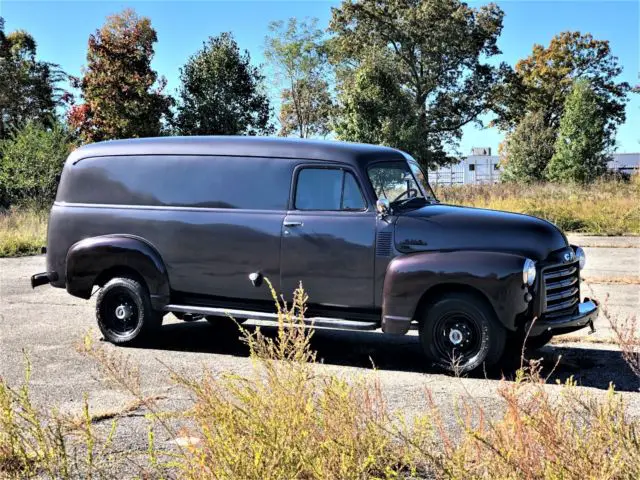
<point>400,182</point>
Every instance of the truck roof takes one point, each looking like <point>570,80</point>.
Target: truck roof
<point>325,150</point>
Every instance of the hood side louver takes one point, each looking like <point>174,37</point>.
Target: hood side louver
<point>383,244</point>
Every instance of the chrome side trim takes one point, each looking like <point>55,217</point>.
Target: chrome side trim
<point>220,312</point>
<point>320,322</point>
<point>397,318</point>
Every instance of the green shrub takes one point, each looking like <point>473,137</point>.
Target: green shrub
<point>30,163</point>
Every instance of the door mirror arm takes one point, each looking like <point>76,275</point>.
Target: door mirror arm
<point>383,207</point>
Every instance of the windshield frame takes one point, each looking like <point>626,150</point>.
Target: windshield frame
<point>428,196</point>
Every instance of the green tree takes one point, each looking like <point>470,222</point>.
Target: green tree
<point>122,95</point>
<point>296,51</point>
<point>28,87</point>
<point>431,55</point>
<point>543,81</point>
<point>583,143</point>
<point>30,161</point>
<point>222,93</point>
<point>374,107</point>
<point>526,151</point>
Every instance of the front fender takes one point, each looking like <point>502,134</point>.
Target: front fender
<point>89,258</point>
<point>497,276</point>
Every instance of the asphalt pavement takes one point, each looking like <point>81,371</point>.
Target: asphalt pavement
<point>45,324</point>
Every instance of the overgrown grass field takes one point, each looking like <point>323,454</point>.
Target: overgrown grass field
<point>22,231</point>
<point>604,208</point>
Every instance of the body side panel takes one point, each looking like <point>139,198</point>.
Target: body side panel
<point>205,251</point>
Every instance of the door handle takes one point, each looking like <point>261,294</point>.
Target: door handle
<point>293,224</point>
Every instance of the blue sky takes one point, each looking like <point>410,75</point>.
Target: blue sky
<point>61,29</point>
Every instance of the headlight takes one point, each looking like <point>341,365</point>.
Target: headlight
<point>529,272</point>
<point>582,258</point>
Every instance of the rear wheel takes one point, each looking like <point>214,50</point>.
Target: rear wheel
<point>459,333</point>
<point>124,312</point>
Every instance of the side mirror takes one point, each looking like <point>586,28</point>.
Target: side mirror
<point>383,207</point>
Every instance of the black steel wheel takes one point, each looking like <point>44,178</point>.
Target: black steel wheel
<point>459,333</point>
<point>124,312</point>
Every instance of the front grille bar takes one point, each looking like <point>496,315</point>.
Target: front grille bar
<point>560,295</point>
<point>560,273</point>
<point>561,306</point>
<point>562,283</point>
<point>562,292</point>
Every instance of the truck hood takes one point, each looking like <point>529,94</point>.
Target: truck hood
<point>449,227</point>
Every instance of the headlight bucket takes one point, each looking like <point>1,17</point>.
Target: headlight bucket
<point>581,257</point>
<point>529,272</point>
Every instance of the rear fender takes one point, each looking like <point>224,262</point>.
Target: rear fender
<point>409,279</point>
<point>90,259</point>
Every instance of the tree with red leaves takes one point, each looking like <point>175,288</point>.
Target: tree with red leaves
<point>123,97</point>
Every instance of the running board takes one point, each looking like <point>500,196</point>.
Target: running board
<point>323,322</point>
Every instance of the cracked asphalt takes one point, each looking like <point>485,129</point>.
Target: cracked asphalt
<point>46,324</point>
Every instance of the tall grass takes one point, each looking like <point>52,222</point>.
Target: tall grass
<point>284,419</point>
<point>22,231</point>
<point>48,444</point>
<point>603,208</point>
<point>287,418</point>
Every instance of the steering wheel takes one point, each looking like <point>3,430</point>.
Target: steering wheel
<point>410,193</point>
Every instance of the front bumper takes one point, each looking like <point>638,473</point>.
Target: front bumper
<point>587,313</point>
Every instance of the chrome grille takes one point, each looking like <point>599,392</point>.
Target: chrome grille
<point>562,289</point>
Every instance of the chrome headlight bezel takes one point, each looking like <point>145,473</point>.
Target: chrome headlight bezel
<point>581,257</point>
<point>529,272</point>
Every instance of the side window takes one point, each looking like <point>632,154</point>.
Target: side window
<point>327,189</point>
<point>352,196</point>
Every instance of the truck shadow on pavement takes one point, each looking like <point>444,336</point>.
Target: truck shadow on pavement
<point>590,367</point>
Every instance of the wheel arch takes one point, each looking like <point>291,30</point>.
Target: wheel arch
<point>95,260</point>
<point>118,271</point>
<point>412,279</point>
<point>435,292</point>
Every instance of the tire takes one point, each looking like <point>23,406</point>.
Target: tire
<point>535,343</point>
<point>460,334</point>
<point>124,312</point>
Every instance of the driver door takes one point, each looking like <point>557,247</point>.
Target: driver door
<point>328,239</point>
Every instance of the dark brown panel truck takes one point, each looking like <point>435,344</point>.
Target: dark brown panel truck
<point>191,225</point>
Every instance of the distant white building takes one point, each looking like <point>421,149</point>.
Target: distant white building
<point>625,163</point>
<point>482,167</point>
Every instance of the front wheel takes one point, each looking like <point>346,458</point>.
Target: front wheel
<point>124,312</point>
<point>459,333</point>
